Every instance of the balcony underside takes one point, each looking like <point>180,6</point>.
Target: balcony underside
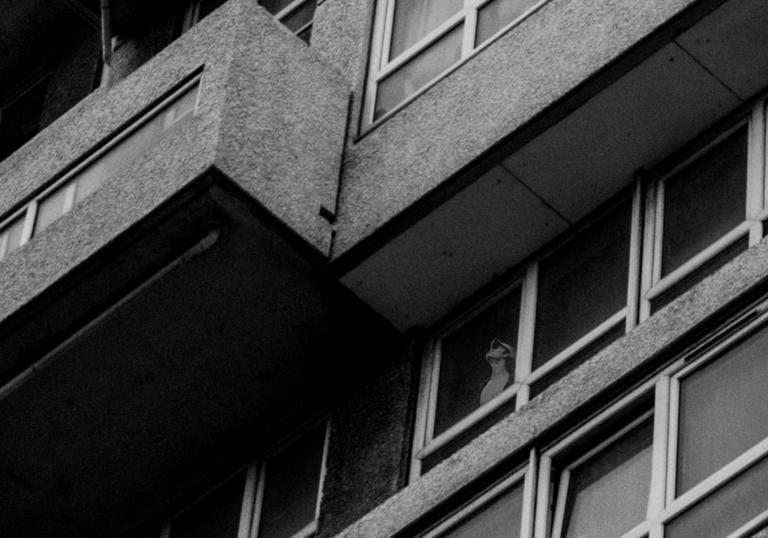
<point>552,173</point>
<point>164,361</point>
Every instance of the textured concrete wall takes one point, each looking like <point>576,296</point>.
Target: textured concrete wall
<point>73,78</point>
<point>370,442</point>
<point>494,93</point>
<point>239,36</point>
<point>518,431</point>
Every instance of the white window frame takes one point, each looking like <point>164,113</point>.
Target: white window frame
<point>425,443</point>
<point>253,489</point>
<point>192,14</point>
<point>380,67</point>
<point>526,476</point>
<point>751,228</point>
<point>663,505</point>
<point>30,210</point>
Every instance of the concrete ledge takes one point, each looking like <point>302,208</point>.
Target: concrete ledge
<point>270,115</point>
<point>565,398</point>
<point>493,94</point>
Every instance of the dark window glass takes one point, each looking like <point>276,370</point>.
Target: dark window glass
<point>10,237</point>
<point>275,6</point>
<point>608,494</point>
<point>207,6</point>
<point>291,484</point>
<point>704,201</point>
<point>470,377</point>
<point>20,119</point>
<point>582,284</point>
<point>727,509</point>
<point>216,515</point>
<point>496,14</point>
<point>416,73</point>
<point>500,518</point>
<point>300,17</point>
<point>723,411</point>
<point>416,18</point>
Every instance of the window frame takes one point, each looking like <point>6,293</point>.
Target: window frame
<point>380,68</point>
<point>526,278</point>
<point>655,284</point>
<point>192,15</point>
<point>663,505</point>
<point>29,210</point>
<point>525,476</point>
<point>253,489</point>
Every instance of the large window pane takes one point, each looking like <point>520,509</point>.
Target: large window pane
<point>608,494</point>
<point>416,18</point>
<point>723,411</point>
<point>471,374</point>
<point>727,509</point>
<point>415,74</point>
<point>501,518</point>
<point>217,515</point>
<point>704,201</point>
<point>494,15</point>
<point>291,487</point>
<point>52,207</point>
<point>582,284</point>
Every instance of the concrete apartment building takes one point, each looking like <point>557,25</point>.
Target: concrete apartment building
<point>383,268</point>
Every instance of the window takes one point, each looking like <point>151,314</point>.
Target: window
<point>696,465</point>
<point>704,211</point>
<point>296,15</point>
<point>125,148</point>
<point>278,497</point>
<point>563,308</point>
<point>415,41</point>
<point>20,117</point>
<point>575,299</point>
<point>503,511</point>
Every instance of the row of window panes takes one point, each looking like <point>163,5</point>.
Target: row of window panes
<point>277,498</point>
<point>417,40</point>
<point>296,15</point>
<point>126,148</point>
<point>690,460</point>
<point>575,300</point>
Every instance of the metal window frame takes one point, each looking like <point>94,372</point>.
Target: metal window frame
<point>663,504</point>
<point>380,67</point>
<point>424,442</point>
<point>192,14</point>
<point>525,477</point>
<point>755,212</point>
<point>69,181</point>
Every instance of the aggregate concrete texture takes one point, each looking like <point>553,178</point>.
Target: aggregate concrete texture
<point>302,128</point>
<point>520,430</point>
<point>494,93</point>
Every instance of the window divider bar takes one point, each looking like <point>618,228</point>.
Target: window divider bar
<point>657,492</point>
<point>470,29</point>
<point>249,500</point>
<point>649,249</point>
<point>259,499</point>
<point>673,408</point>
<point>529,489</point>
<point>756,162</point>
<point>422,411</point>
<point>526,327</point>
<point>543,495</point>
<point>658,233</point>
<point>635,258</point>
<point>562,495</point>
<point>29,222</point>
<point>323,469</point>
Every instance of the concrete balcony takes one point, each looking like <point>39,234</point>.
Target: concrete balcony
<point>174,321</point>
<point>574,101</point>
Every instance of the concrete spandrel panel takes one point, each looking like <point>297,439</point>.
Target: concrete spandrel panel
<point>479,234</point>
<point>594,152</point>
<point>732,42</point>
